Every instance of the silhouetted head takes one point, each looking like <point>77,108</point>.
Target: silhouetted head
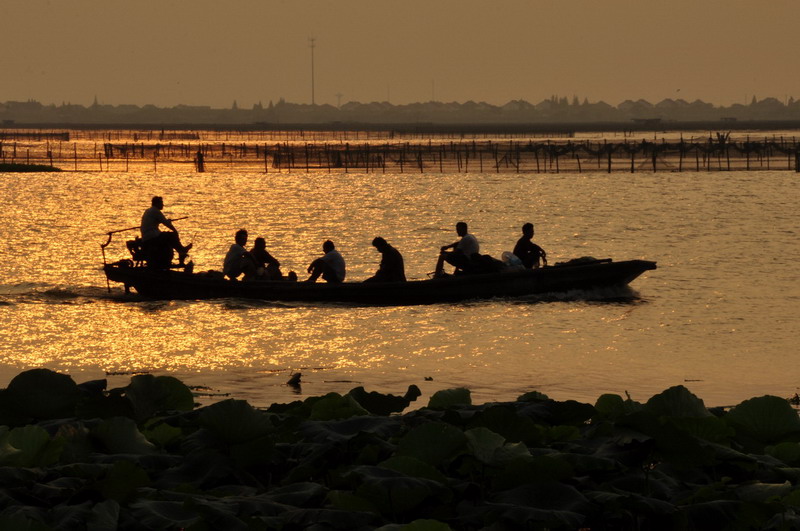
<point>259,243</point>
<point>241,237</point>
<point>157,202</point>
<point>379,243</point>
<point>328,246</point>
<point>527,230</point>
<point>461,228</point>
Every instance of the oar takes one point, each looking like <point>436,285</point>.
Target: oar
<point>111,233</point>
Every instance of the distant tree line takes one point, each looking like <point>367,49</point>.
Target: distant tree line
<point>552,110</point>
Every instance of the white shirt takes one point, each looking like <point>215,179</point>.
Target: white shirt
<point>151,219</point>
<point>336,262</point>
<point>233,260</point>
<point>468,245</point>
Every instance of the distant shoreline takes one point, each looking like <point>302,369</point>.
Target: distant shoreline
<point>560,128</point>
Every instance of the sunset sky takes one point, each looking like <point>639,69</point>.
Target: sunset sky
<point>207,52</point>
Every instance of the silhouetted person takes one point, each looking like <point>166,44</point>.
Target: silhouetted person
<point>329,266</point>
<point>155,242</point>
<point>391,268</point>
<point>267,266</point>
<point>463,249</point>
<point>527,251</point>
<point>238,260</point>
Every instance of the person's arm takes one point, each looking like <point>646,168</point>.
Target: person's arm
<point>167,223</point>
<point>315,263</point>
<point>269,259</point>
<point>450,246</point>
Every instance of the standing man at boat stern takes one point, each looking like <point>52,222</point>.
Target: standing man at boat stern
<point>154,241</point>
<point>329,266</point>
<point>462,252</point>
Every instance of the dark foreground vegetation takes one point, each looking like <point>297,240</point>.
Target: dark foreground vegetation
<point>145,457</point>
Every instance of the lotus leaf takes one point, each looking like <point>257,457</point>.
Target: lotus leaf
<point>788,452</point>
<point>484,444</point>
<point>215,513</point>
<point>160,433</point>
<point>546,496</point>
<point>793,498</point>
<point>491,449</point>
<point>556,413</point>
<point>44,394</point>
<point>716,514</point>
<point>539,469</point>
<point>120,435</point>
<point>22,522</point>
<point>633,502</point>
<point>159,514</point>
<point>434,443</point>
<point>614,406</point>
<point>411,466</point>
<point>426,525</point>
<point>763,492</point>
<point>533,396</point>
<point>327,519</point>
<point>301,494</point>
<point>766,419</point>
<point>503,420</point>
<point>395,494</point>
<point>676,401</point>
<point>343,430</point>
<point>8,453</point>
<point>73,516</point>
<point>235,421</point>
<point>588,464</point>
<point>347,501</point>
<point>712,429</point>
<point>335,406</point>
<point>122,481</point>
<point>512,516</point>
<point>150,395</point>
<point>447,398</point>
<point>105,515</point>
<point>260,451</point>
<point>35,446</point>
<point>381,404</point>
<point>561,434</point>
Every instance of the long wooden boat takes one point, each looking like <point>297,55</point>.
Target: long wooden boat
<point>170,284</point>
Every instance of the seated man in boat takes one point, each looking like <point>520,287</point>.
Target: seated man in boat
<point>391,268</point>
<point>267,267</point>
<point>156,243</point>
<point>462,252</point>
<point>329,266</point>
<point>238,260</point>
<point>527,251</point>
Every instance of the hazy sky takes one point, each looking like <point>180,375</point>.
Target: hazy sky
<point>210,52</point>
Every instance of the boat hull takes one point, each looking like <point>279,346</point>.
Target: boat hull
<point>157,284</point>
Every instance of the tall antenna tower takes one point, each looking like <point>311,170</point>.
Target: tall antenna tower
<point>312,44</point>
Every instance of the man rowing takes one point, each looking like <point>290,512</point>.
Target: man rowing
<point>155,241</point>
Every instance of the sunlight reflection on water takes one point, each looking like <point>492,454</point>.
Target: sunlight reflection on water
<point>720,310</point>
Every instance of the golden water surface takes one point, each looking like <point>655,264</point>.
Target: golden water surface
<point>719,315</point>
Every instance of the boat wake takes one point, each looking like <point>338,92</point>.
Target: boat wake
<point>614,294</point>
<point>41,293</point>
